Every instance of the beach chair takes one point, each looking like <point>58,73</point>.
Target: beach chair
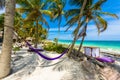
<point>92,51</point>
<point>95,52</point>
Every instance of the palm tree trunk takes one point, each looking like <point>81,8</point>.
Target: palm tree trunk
<point>79,25</point>
<point>82,39</point>
<point>87,20</point>
<point>75,38</point>
<point>5,56</point>
<point>36,34</point>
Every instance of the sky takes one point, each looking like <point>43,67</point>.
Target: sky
<point>112,32</point>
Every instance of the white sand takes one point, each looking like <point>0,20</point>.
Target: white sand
<point>39,73</point>
<point>44,74</point>
<point>33,67</point>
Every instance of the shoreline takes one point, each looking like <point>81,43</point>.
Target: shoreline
<point>102,48</point>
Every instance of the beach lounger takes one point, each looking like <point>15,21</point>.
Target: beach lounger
<point>95,52</point>
<point>105,59</point>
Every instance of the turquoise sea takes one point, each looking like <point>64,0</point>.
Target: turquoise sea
<point>114,45</point>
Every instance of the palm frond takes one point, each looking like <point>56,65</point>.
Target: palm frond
<point>109,14</point>
<point>47,12</point>
<point>42,6</point>
<point>18,19</point>
<point>22,10</point>
<point>76,30</point>
<point>103,23</point>
<point>56,6</point>
<point>32,16</point>
<point>24,3</point>
<point>35,3</point>
<point>97,25</point>
<point>44,22</point>
<point>81,32</point>
<point>76,2</point>
<point>31,3</point>
<point>98,4</point>
<point>72,12</point>
<point>71,22</point>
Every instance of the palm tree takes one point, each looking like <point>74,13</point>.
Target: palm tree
<point>18,20</point>
<point>57,6</point>
<point>30,31</point>
<point>43,33</point>
<point>34,10</point>
<point>72,21</point>
<point>27,29</point>
<point>92,12</point>
<point>5,56</point>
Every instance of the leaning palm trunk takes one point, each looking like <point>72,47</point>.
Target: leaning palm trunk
<point>5,56</point>
<point>83,36</point>
<point>81,43</point>
<point>79,25</point>
<point>82,39</point>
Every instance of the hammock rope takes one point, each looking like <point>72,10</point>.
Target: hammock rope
<point>43,56</point>
<point>40,54</point>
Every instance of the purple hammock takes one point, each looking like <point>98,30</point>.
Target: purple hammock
<point>105,59</point>
<point>43,56</point>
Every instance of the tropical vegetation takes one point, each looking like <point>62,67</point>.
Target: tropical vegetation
<point>30,19</point>
<point>91,12</point>
<point>56,48</point>
<point>34,11</point>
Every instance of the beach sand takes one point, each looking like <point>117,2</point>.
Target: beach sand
<point>29,66</point>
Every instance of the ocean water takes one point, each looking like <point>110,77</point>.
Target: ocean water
<point>109,45</point>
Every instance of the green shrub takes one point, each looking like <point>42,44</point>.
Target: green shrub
<point>52,47</point>
<point>16,48</point>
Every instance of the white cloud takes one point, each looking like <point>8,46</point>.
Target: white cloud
<point>112,32</point>
<point>62,29</point>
